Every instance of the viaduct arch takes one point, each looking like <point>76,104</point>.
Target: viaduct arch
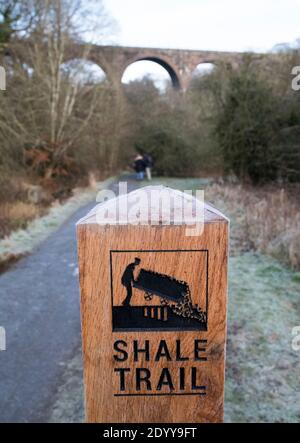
<point>179,63</point>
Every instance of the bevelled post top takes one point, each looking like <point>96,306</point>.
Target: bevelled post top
<point>152,205</point>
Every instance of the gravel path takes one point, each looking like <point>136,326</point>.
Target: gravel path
<point>39,308</point>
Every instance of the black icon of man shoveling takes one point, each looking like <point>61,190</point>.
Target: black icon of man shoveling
<point>172,309</point>
<point>127,280</point>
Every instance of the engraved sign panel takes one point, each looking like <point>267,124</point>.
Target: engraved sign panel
<point>159,290</point>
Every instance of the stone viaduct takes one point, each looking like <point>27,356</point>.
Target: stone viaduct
<point>180,63</point>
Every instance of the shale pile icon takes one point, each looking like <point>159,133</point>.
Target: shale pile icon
<point>175,310</point>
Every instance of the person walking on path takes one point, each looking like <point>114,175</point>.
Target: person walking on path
<point>148,160</point>
<point>139,167</point>
<point>128,279</point>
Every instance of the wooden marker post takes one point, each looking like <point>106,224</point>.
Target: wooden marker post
<point>153,309</point>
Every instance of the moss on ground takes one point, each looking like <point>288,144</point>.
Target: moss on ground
<point>262,370</point>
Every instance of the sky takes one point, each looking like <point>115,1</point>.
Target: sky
<point>224,25</point>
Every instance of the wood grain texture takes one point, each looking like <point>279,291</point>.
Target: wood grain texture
<point>95,243</point>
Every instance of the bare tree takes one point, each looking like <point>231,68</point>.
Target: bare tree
<point>48,107</point>
<point>16,16</point>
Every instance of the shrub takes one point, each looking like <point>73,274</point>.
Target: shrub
<point>172,154</point>
<point>257,126</point>
<point>245,128</point>
<point>172,128</point>
<point>264,219</point>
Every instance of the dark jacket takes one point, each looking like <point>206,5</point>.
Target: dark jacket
<point>139,165</point>
<point>148,160</point>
